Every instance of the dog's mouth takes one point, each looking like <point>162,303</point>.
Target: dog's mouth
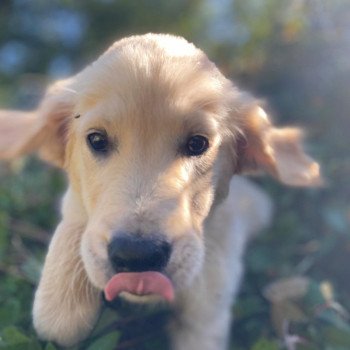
<point>148,283</point>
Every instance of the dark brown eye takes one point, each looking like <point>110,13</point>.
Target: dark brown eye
<point>196,145</point>
<point>98,141</point>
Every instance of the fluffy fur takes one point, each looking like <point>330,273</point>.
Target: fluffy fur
<point>150,93</point>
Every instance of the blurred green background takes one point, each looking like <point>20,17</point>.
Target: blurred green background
<point>293,53</point>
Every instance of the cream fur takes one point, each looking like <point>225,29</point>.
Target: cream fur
<point>150,93</point>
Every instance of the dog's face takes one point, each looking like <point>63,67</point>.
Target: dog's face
<point>142,154</point>
<point>152,135</point>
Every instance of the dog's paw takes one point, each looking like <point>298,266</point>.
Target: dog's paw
<point>67,321</point>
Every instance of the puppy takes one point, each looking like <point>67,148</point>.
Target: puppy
<point>150,136</point>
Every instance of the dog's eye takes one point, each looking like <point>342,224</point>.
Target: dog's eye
<point>196,145</point>
<point>98,141</point>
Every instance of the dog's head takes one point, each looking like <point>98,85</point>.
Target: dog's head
<point>150,135</point>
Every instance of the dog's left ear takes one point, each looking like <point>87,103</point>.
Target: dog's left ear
<point>42,130</point>
<point>277,151</point>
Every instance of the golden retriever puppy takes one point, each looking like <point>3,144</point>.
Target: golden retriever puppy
<point>150,136</point>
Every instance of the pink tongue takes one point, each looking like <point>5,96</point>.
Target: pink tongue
<point>140,283</point>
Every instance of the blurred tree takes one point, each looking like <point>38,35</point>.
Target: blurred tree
<point>58,38</point>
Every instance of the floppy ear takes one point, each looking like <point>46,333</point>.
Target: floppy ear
<point>42,130</point>
<point>277,151</point>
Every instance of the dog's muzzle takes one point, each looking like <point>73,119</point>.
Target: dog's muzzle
<point>139,262</point>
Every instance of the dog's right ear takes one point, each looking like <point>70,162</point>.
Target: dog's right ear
<point>42,130</point>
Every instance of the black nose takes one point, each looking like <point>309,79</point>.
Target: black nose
<point>135,253</point>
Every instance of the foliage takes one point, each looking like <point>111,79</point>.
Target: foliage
<point>294,54</point>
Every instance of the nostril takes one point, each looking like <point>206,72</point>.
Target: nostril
<point>135,253</point>
<point>119,263</point>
